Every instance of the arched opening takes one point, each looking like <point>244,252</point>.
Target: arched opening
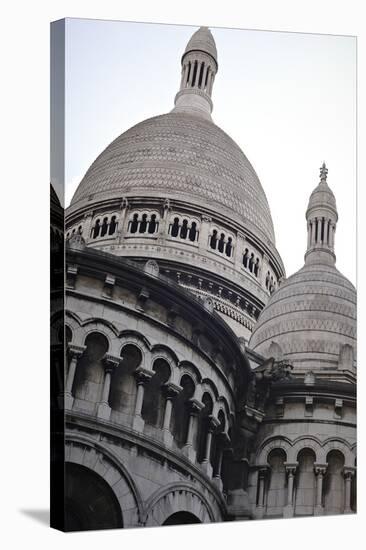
<point>89,374</point>
<point>175,228</point>
<point>194,74</point>
<point>143,224</point>
<point>229,247</point>
<point>104,227</point>
<point>201,75</point>
<point>181,518</point>
<point>123,385</point>
<point>154,402</point>
<point>305,483</point>
<point>153,224</point>
<point>189,73</point>
<point>134,224</point>
<point>251,262</point>
<point>96,229</point>
<point>245,258</point>
<point>213,239</point>
<point>334,484</point>
<point>89,501</point>
<point>221,245</point>
<point>206,79</point>
<point>203,425</point>
<point>256,267</point>
<point>276,493</point>
<point>184,229</point>
<point>180,416</point>
<point>113,225</point>
<point>193,232</point>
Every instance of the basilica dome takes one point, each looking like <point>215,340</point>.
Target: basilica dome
<point>182,156</point>
<point>311,318</point>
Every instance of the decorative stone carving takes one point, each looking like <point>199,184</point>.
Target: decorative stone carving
<point>152,268</point>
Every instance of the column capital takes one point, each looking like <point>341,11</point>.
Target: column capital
<point>111,362</point>
<point>291,467</point>
<point>171,390</point>
<point>143,375</point>
<point>194,406</point>
<point>349,471</point>
<point>76,350</point>
<point>213,423</point>
<point>319,468</point>
<point>263,469</point>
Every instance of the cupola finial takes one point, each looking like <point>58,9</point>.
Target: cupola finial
<point>323,173</point>
<point>199,68</point>
<point>321,216</point>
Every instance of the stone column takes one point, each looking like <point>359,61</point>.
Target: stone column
<point>66,399</point>
<point>203,242</point>
<point>213,424</point>
<point>194,407</point>
<point>170,391</point>
<point>288,510</point>
<point>348,473</point>
<point>123,220</point>
<point>110,363</point>
<point>319,470</point>
<point>204,76</point>
<point>262,476</point>
<point>143,376</point>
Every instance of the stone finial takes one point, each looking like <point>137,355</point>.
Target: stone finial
<point>323,173</point>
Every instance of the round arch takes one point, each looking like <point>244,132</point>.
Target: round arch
<point>81,451</point>
<point>178,498</point>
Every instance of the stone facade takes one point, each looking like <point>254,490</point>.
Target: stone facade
<point>201,385</point>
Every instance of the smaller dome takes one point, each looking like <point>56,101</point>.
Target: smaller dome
<point>311,316</point>
<point>202,40</point>
<point>322,197</point>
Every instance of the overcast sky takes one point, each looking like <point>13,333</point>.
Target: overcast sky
<point>287,99</point>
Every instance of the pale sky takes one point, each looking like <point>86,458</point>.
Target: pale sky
<point>287,99</point>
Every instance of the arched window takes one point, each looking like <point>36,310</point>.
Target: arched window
<point>229,247</point>
<point>134,224</point>
<point>206,79</point>
<point>123,384</point>
<point>245,258</point>
<point>256,267</point>
<point>305,484</point>
<point>334,484</point>
<point>213,239</point>
<point>201,75</point>
<point>184,229</point>
<point>189,73</point>
<point>193,232</point>
<point>113,225</point>
<point>96,229</point>
<point>80,230</point>
<point>143,224</point>
<point>194,74</point>
<point>251,262</point>
<point>268,279</point>
<point>154,402</point>
<point>175,228</point>
<point>89,374</point>
<point>104,227</point>
<point>203,420</point>
<point>221,244</point>
<point>180,416</point>
<point>276,494</point>
<point>153,225</point>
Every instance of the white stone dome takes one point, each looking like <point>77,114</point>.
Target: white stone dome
<point>183,156</point>
<point>311,316</point>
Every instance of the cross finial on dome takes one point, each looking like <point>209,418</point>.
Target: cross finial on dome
<point>323,172</point>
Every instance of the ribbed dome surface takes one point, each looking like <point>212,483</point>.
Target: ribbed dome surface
<point>182,156</point>
<point>310,316</point>
<point>202,40</point>
<point>322,197</point>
